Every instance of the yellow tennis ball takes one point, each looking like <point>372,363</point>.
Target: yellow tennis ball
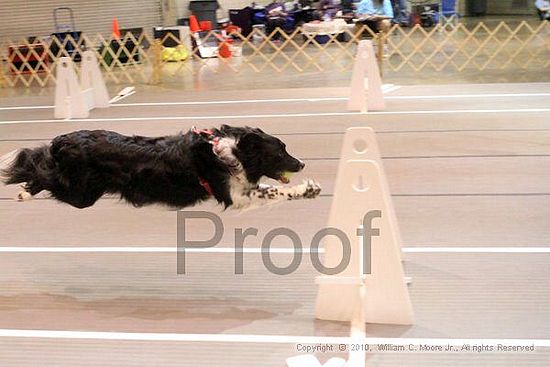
<point>285,177</point>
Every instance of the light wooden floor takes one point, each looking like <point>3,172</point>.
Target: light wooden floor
<point>468,179</point>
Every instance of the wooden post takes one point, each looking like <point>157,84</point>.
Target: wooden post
<point>3,81</point>
<point>156,76</point>
<point>381,41</point>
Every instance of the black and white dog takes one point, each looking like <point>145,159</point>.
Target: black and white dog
<point>179,170</point>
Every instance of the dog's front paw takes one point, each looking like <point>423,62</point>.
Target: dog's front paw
<point>23,196</point>
<point>308,190</point>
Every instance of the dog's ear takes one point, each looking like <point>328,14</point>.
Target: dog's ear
<point>249,141</point>
<point>247,128</point>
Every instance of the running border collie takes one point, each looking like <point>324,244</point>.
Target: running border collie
<point>179,170</point>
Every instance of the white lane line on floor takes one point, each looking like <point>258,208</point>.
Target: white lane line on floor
<point>232,117</point>
<point>237,101</point>
<point>222,250</point>
<point>481,95</point>
<point>15,108</point>
<point>387,88</point>
<point>312,99</point>
<point>197,103</point>
<point>489,250</point>
<point>249,338</point>
<point>257,250</point>
<point>183,118</point>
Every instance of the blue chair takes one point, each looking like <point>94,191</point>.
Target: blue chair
<point>290,23</point>
<point>448,14</point>
<point>258,16</point>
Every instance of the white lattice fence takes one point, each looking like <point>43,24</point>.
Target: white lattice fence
<point>148,60</point>
<point>480,48</point>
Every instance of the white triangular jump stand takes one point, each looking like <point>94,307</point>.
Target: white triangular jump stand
<point>361,143</point>
<point>380,295</point>
<point>74,99</point>
<point>366,66</point>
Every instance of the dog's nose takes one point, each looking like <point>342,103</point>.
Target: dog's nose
<point>301,164</point>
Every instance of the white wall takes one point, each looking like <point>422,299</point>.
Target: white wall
<point>24,18</point>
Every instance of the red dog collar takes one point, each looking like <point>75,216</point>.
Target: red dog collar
<point>208,132</point>
<point>214,141</point>
<point>206,186</point>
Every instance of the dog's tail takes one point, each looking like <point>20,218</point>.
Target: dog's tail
<point>32,166</point>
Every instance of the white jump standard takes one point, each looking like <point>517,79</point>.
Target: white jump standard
<point>371,99</point>
<point>371,288</point>
<point>74,99</point>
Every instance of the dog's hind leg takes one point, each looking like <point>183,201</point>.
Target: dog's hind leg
<point>23,195</point>
<point>28,192</point>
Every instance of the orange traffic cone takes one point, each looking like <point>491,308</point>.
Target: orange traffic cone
<point>194,24</point>
<point>116,29</point>
<point>224,50</point>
